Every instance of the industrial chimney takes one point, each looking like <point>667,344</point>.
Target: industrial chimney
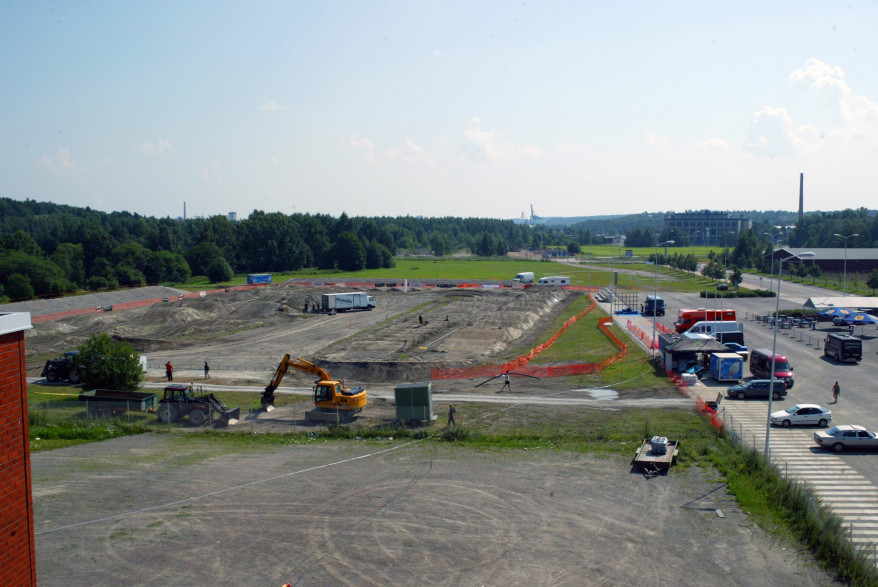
<point>801,196</point>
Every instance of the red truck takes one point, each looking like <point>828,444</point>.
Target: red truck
<point>686,319</point>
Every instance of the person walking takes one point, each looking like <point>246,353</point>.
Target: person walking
<point>169,371</point>
<point>506,384</point>
<point>206,370</point>
<point>451,411</point>
<point>835,391</point>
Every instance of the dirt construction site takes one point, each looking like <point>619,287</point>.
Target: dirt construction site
<point>189,509</point>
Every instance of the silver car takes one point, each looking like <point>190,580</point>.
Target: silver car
<point>802,415</point>
<point>847,437</point>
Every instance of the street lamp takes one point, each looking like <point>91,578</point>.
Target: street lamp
<point>845,277</point>
<point>774,346</point>
<point>655,294</point>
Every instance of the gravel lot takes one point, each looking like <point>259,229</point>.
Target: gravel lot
<point>163,510</point>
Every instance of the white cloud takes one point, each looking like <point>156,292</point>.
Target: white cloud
<point>409,152</point>
<point>771,133</point>
<point>210,173</point>
<point>822,77</point>
<point>653,139</point>
<point>714,143</point>
<point>62,162</point>
<point>354,142</point>
<point>490,145</point>
<point>272,105</point>
<point>157,149</point>
<point>262,163</point>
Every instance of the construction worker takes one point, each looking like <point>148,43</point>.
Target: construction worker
<point>451,411</point>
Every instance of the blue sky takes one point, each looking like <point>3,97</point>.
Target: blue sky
<point>438,108</point>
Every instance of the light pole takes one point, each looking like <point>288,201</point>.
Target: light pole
<point>771,275</point>
<point>774,348</point>
<point>655,295</point>
<point>845,277</point>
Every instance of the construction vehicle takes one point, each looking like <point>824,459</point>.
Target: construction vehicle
<point>190,400</point>
<point>332,401</point>
<point>64,368</point>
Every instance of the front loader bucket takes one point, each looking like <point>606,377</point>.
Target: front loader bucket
<point>230,416</point>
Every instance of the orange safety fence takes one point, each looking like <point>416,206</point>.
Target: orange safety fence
<point>520,364</point>
<point>708,411</point>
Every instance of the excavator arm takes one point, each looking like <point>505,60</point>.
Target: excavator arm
<point>285,365</point>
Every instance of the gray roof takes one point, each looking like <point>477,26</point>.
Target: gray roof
<point>834,253</point>
<point>697,345</point>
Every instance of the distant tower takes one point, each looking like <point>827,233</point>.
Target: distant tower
<point>801,196</point>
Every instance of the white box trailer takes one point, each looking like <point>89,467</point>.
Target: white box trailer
<point>342,302</point>
<point>554,280</point>
<point>525,277</point>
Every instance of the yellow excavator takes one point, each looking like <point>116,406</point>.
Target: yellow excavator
<point>332,400</point>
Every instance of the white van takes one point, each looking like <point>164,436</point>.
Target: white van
<point>526,277</point>
<point>554,280</point>
<point>712,328</point>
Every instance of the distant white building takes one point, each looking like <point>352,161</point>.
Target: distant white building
<point>233,216</point>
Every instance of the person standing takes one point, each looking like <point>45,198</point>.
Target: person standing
<point>206,370</point>
<point>451,411</point>
<point>169,371</point>
<point>835,391</point>
<point>506,383</point>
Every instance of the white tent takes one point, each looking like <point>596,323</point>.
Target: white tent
<point>857,302</point>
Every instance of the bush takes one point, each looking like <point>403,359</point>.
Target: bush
<point>219,270</point>
<point>18,287</point>
<point>109,364</point>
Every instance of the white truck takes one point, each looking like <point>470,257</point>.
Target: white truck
<point>526,277</point>
<point>342,302</point>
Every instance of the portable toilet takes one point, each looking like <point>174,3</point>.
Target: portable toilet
<point>414,402</point>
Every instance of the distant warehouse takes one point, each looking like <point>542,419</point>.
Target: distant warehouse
<point>832,259</point>
<point>708,228</point>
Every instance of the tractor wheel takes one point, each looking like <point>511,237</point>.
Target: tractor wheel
<point>197,418</point>
<point>51,376</point>
<point>168,413</point>
<point>75,376</point>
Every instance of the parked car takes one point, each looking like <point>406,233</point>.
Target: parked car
<point>739,349</point>
<point>802,415</point>
<point>846,437</point>
<point>758,388</point>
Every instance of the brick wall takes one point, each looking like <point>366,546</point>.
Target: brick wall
<point>17,555</point>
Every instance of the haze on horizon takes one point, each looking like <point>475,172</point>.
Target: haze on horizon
<point>386,108</point>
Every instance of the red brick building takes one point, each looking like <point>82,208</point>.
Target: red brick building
<point>17,551</point>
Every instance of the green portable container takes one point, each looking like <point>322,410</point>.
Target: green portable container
<point>414,403</point>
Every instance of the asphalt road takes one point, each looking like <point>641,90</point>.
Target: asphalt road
<point>814,374</point>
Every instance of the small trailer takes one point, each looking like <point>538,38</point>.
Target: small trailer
<point>109,403</point>
<point>656,455</point>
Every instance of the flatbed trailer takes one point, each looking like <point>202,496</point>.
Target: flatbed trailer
<point>109,403</point>
<point>652,462</point>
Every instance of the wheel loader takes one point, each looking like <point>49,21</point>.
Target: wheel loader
<point>333,402</point>
<point>190,400</point>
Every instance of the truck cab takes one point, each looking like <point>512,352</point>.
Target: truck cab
<point>654,306</point>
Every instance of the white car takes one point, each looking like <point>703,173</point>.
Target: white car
<point>802,415</point>
<point>848,436</point>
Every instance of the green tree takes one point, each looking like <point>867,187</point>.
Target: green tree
<point>109,364</point>
<point>219,270</point>
<point>18,287</point>
<point>872,281</point>
<point>347,253</point>
<point>736,276</point>
<point>573,248</point>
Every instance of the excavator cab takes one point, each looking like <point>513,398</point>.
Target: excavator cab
<point>323,391</point>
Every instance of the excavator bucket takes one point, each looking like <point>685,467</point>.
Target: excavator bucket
<point>268,399</point>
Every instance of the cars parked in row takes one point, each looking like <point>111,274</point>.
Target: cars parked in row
<point>846,437</point>
<point>758,388</point>
<point>802,415</point>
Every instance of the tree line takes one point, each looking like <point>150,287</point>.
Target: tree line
<point>50,249</point>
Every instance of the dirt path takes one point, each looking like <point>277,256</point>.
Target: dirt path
<point>157,511</point>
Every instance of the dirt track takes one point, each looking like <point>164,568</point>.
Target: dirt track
<point>423,514</point>
<point>251,330</point>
